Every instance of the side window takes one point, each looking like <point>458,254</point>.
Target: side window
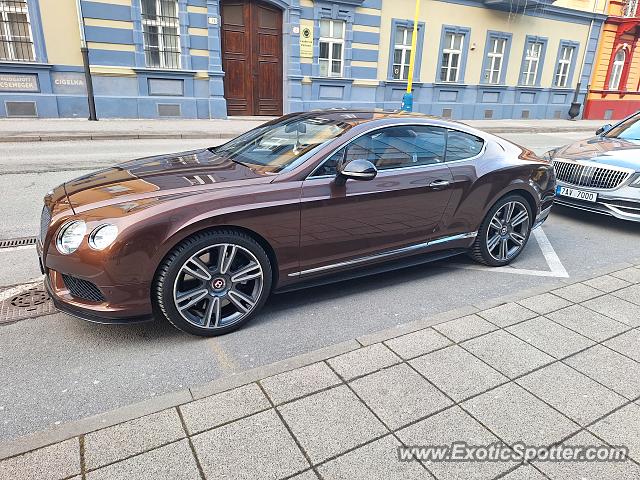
<point>392,147</point>
<point>462,145</point>
<point>399,147</point>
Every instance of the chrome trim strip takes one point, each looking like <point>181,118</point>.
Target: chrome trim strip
<point>390,253</point>
<point>400,124</point>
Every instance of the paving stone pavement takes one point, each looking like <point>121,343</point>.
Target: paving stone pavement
<point>557,367</point>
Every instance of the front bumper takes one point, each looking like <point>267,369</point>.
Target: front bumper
<point>622,203</point>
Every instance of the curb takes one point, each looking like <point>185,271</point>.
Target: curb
<point>100,421</point>
<point>65,137</point>
<point>116,136</point>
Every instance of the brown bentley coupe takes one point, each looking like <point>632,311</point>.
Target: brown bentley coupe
<point>202,238</point>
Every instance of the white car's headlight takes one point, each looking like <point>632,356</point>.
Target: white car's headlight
<point>103,236</point>
<point>70,236</point>
<point>636,182</point>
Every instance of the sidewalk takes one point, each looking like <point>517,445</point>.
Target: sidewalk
<point>549,366</point>
<point>34,130</point>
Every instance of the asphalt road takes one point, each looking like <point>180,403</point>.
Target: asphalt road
<point>56,368</point>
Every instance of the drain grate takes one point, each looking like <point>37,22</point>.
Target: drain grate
<point>18,242</point>
<point>33,302</point>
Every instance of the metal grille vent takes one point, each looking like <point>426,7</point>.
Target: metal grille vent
<point>169,110</point>
<point>488,114</point>
<point>447,112</point>
<point>82,289</point>
<point>45,220</point>
<point>21,109</point>
<point>591,176</point>
<point>525,114</point>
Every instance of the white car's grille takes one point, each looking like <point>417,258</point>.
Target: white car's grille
<point>589,175</point>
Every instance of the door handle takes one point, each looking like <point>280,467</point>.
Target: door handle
<point>439,184</point>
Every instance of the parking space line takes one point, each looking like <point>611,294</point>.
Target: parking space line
<point>556,268</point>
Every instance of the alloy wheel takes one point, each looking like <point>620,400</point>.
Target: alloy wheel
<point>508,231</point>
<point>218,286</point>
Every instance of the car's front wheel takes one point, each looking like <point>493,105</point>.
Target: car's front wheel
<point>213,282</point>
<point>504,232</point>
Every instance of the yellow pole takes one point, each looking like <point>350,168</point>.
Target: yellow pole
<point>414,39</point>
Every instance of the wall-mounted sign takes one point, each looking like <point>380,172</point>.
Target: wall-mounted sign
<point>306,41</point>
<point>16,82</point>
<point>212,20</point>
<point>68,83</point>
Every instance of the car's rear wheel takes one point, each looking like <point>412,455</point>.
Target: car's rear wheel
<point>504,232</point>
<point>213,282</point>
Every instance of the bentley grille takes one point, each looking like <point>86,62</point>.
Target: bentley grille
<point>590,176</point>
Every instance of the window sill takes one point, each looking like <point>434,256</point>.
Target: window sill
<point>25,64</point>
<point>529,87</point>
<point>450,84</point>
<point>164,71</point>
<point>393,81</point>
<point>332,79</point>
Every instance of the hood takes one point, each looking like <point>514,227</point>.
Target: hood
<point>616,152</point>
<point>182,173</point>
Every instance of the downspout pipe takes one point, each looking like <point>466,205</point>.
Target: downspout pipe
<point>85,62</point>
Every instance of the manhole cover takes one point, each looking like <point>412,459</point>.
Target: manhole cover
<point>30,299</point>
<point>32,302</point>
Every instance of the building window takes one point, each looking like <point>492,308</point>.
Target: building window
<point>629,8</point>
<point>563,69</point>
<point>402,53</point>
<point>331,57</point>
<point>495,60</point>
<point>616,70</point>
<point>532,61</point>
<point>161,27</point>
<point>451,57</point>
<point>16,41</point>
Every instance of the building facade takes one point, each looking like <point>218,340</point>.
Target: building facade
<point>614,91</point>
<point>216,58</point>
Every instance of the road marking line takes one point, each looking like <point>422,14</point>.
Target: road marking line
<point>226,361</point>
<point>18,289</point>
<point>556,268</point>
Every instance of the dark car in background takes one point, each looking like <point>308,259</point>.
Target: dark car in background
<point>202,238</point>
<point>602,174</point>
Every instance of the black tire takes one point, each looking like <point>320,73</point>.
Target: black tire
<point>480,249</point>
<point>172,266</point>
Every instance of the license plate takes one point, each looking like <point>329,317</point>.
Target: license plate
<point>578,194</point>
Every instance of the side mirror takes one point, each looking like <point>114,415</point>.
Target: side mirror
<point>356,170</point>
<point>604,129</point>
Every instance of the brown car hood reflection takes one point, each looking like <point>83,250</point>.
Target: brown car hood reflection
<point>183,173</point>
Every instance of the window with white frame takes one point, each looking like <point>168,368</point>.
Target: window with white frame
<point>161,27</point>
<point>630,8</point>
<point>331,56</point>
<point>402,53</point>
<point>564,66</point>
<point>16,41</point>
<point>616,69</point>
<point>451,57</point>
<point>495,59</point>
<point>531,63</point>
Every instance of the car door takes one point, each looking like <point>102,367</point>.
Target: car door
<point>402,206</point>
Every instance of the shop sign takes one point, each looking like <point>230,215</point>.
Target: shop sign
<point>17,82</point>
<point>306,41</point>
<point>69,83</point>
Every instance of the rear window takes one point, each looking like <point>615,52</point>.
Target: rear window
<point>462,145</point>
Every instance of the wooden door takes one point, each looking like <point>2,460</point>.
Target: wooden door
<point>252,57</point>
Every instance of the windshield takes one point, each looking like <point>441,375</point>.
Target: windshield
<point>274,146</point>
<point>627,130</point>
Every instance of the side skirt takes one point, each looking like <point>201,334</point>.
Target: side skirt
<point>366,271</point>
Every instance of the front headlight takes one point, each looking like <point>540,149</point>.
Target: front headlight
<point>636,182</point>
<point>103,236</point>
<point>70,236</point>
